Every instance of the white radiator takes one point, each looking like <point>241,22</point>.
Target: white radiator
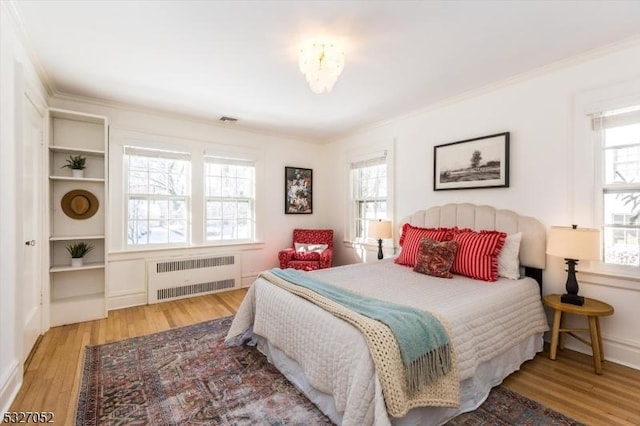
<point>177,278</point>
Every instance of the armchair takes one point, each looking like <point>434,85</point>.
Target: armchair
<point>308,252</point>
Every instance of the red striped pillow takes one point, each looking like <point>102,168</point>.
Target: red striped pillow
<point>410,241</point>
<point>477,255</point>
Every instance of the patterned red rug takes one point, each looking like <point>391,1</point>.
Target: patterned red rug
<point>504,407</point>
<point>187,376</point>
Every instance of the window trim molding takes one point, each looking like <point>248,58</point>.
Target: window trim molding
<point>252,200</point>
<point>122,136</point>
<point>126,196</point>
<point>360,155</point>
<point>585,187</point>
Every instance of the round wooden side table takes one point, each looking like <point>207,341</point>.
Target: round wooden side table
<point>593,309</point>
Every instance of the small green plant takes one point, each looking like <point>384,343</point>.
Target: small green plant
<point>78,250</point>
<point>75,162</point>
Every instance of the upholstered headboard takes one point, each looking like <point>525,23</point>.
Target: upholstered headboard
<point>465,215</point>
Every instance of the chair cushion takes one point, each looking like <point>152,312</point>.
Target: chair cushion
<point>313,255</point>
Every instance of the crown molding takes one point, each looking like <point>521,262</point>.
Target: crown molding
<point>590,55</point>
<point>179,116</point>
<point>21,32</point>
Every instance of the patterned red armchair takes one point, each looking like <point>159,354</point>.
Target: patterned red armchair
<point>309,252</point>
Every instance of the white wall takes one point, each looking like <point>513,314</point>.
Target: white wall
<point>16,74</point>
<point>538,111</point>
<point>274,227</point>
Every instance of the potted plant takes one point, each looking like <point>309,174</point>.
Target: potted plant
<point>77,252</point>
<point>77,164</point>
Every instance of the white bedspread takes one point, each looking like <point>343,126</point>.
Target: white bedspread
<point>484,318</point>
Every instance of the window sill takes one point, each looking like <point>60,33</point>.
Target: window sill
<point>623,277</point>
<point>249,245</point>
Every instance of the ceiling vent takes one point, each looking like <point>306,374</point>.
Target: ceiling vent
<point>226,119</point>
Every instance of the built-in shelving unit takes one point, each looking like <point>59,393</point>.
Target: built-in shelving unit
<point>77,293</point>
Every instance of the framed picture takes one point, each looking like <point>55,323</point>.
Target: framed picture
<point>298,190</point>
<point>473,163</point>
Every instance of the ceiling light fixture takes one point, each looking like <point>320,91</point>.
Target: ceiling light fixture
<point>321,62</point>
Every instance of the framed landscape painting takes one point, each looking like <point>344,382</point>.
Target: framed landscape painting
<point>473,163</point>
<point>298,190</point>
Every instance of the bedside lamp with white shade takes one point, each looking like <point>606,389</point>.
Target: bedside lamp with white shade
<point>380,229</point>
<point>573,244</point>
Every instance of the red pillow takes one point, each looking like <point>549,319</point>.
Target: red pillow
<point>410,241</point>
<point>477,255</point>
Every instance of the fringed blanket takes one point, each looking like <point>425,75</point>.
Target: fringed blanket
<point>422,340</point>
<point>402,386</point>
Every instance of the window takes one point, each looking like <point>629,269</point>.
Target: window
<point>619,133</point>
<point>157,185</point>
<point>369,196</point>
<point>230,199</point>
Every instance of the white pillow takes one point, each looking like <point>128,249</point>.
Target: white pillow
<point>508,262</point>
<point>309,248</point>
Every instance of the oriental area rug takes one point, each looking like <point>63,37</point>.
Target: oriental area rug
<point>186,376</point>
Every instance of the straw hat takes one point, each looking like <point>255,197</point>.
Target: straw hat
<point>79,204</point>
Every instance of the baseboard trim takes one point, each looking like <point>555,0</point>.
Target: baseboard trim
<point>11,384</point>
<point>623,352</point>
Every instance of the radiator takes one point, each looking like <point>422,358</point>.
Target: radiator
<point>177,278</point>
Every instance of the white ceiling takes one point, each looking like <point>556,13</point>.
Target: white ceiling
<point>206,59</point>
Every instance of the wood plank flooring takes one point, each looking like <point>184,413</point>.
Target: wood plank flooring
<point>568,384</point>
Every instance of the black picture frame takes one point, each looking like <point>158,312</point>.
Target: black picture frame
<point>298,190</point>
<point>472,163</point>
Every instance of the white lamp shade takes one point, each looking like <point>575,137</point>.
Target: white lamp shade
<point>578,244</point>
<point>380,229</point>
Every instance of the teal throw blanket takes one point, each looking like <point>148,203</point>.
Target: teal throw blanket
<point>422,339</point>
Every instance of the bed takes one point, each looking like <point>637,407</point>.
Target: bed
<point>494,326</point>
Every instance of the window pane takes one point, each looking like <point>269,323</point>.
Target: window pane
<point>229,186</point>
<point>158,209</point>
<point>229,210</point>
<point>214,209</point>
<point>158,232</point>
<point>370,193</point>
<point>228,229</point>
<point>244,229</point>
<point>621,220</point>
<point>244,188</point>
<point>244,209</point>
<point>622,165</point>
<point>137,232</point>
<point>177,209</point>
<point>138,209</point>
<point>138,183</point>
<point>214,230</point>
<point>177,231</point>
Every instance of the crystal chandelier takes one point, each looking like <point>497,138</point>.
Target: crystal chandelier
<point>321,62</point>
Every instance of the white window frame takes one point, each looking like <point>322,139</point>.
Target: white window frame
<point>210,159</point>
<point>198,150</point>
<point>372,155</point>
<point>127,196</point>
<point>585,206</point>
<point>600,122</point>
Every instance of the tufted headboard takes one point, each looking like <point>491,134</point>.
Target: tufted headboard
<point>465,215</point>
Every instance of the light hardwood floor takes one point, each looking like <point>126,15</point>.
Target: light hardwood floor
<point>568,384</point>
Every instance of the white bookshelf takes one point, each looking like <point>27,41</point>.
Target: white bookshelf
<point>77,293</point>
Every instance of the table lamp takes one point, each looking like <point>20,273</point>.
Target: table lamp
<point>380,229</point>
<point>573,244</point>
